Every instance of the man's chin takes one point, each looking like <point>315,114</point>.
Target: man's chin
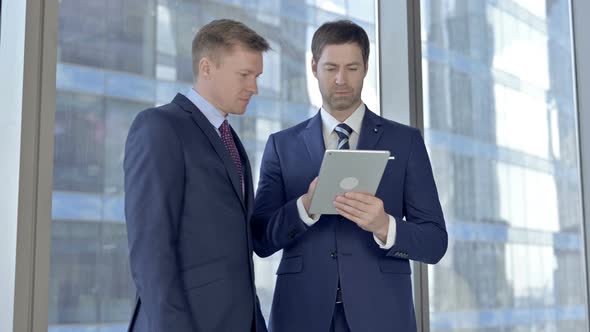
<point>238,111</point>
<point>342,105</point>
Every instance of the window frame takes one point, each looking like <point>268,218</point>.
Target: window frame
<point>28,60</point>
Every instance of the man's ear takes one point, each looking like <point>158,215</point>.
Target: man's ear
<point>314,67</point>
<point>205,68</point>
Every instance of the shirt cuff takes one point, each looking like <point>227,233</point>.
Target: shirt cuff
<point>309,221</point>
<point>390,235</point>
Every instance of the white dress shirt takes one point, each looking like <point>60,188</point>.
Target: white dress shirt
<point>354,121</point>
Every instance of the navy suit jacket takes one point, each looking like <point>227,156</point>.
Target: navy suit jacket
<point>376,284</point>
<point>188,225</point>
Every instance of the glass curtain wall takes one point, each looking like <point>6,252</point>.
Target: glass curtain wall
<point>118,57</point>
<point>500,125</point>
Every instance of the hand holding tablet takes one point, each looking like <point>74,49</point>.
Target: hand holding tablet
<point>345,171</point>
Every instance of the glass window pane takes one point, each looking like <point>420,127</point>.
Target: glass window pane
<point>500,125</point>
<point>118,57</point>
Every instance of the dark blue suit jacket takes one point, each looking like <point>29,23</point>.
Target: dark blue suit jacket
<point>376,284</point>
<point>188,225</point>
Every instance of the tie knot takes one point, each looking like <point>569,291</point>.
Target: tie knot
<point>343,131</point>
<point>224,126</point>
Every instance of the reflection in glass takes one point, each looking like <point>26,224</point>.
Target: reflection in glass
<point>500,124</point>
<point>116,58</point>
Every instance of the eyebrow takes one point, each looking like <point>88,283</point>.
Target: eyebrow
<point>249,71</point>
<point>347,65</point>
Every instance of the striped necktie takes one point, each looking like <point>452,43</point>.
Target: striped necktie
<point>343,131</point>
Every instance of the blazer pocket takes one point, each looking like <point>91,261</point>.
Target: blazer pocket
<point>204,274</point>
<point>396,266</point>
<point>290,265</point>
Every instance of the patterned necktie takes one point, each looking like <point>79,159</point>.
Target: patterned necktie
<point>230,145</point>
<point>343,131</point>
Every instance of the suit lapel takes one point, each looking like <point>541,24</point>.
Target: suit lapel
<point>215,141</point>
<point>314,141</point>
<point>248,186</point>
<point>370,131</point>
<point>248,203</point>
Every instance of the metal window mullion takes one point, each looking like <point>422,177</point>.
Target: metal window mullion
<point>421,289</point>
<point>579,9</point>
<point>28,65</point>
<point>400,84</point>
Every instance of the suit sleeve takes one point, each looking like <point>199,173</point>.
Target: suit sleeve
<point>275,222</point>
<point>422,236</point>
<point>154,187</point>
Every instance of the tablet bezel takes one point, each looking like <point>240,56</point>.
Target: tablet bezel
<point>367,166</point>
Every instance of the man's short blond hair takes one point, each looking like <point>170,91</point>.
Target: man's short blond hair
<point>220,36</point>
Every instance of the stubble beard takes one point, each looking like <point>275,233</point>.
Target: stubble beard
<point>343,103</point>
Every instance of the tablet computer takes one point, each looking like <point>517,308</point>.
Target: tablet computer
<point>344,171</point>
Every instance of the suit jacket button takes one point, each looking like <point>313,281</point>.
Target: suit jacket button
<point>334,254</point>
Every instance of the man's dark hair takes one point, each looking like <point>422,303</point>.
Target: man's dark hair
<point>337,33</point>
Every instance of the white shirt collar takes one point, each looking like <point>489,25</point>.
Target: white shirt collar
<point>354,121</point>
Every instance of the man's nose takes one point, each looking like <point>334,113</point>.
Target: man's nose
<point>253,87</point>
<point>341,77</point>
